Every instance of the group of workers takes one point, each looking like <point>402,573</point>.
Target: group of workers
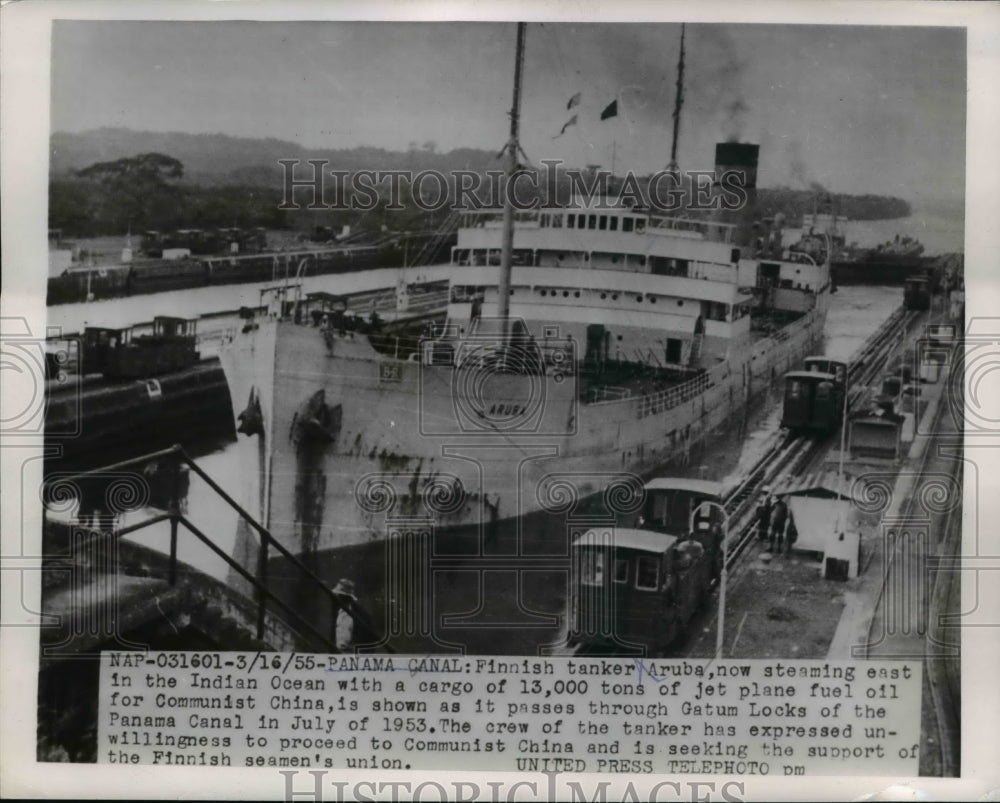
<point>775,523</point>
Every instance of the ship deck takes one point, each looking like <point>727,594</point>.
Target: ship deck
<point>613,379</point>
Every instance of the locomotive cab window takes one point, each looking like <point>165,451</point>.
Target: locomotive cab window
<point>647,573</point>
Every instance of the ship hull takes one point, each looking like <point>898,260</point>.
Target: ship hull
<point>381,470</point>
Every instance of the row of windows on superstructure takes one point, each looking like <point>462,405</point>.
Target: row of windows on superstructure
<point>575,220</point>
<point>660,266</point>
<point>713,310</point>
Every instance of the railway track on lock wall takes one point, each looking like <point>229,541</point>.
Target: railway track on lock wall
<point>790,454</point>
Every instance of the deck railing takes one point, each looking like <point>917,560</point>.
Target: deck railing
<point>651,403</point>
<point>663,400</point>
<point>647,221</point>
<point>606,393</point>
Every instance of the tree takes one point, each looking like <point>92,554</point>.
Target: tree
<point>134,186</point>
<point>150,168</point>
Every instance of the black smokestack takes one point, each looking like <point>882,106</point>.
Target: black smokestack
<point>739,157</point>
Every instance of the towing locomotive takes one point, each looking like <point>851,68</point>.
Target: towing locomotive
<point>815,397</point>
<point>125,354</point>
<point>917,293</point>
<point>114,388</point>
<point>636,587</point>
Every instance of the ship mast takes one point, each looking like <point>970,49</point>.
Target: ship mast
<point>512,148</point>
<point>678,102</point>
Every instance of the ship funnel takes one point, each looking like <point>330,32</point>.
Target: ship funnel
<point>740,157</point>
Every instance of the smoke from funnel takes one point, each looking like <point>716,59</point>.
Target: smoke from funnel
<point>716,79</point>
<point>733,125</point>
<point>799,171</point>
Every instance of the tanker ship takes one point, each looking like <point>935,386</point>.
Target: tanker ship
<point>583,346</point>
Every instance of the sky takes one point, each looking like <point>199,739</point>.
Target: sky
<point>857,109</point>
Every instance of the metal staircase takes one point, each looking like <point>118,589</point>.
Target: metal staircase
<point>91,572</point>
<point>696,347</point>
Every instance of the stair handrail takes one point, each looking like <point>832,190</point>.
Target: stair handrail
<point>178,453</point>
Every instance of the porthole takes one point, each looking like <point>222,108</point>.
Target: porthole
<point>638,299</point>
<point>614,296</point>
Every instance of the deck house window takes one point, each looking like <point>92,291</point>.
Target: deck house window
<point>717,311</point>
<point>557,221</point>
<point>613,221</point>
<point>592,222</point>
<point>603,222</point>
<point>621,570</point>
<point>627,224</point>
<point>570,221</point>
<point>647,575</point>
<point>674,346</point>
<point>593,568</point>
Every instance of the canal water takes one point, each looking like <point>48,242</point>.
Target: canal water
<point>855,313</point>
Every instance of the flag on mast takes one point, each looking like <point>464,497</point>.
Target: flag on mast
<point>567,124</point>
<point>611,110</point>
<point>574,101</point>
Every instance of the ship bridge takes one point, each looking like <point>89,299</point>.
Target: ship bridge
<point>605,238</point>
